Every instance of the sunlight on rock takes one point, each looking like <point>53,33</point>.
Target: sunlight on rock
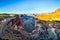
<point>50,16</point>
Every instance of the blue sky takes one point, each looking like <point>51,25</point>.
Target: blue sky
<point>28,6</point>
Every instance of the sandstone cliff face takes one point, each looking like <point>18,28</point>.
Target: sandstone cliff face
<point>50,16</point>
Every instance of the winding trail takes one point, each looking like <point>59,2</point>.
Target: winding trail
<point>55,35</point>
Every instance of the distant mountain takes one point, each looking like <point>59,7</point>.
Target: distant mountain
<point>50,16</point>
<point>5,14</point>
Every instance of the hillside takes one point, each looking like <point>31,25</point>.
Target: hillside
<point>50,16</point>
